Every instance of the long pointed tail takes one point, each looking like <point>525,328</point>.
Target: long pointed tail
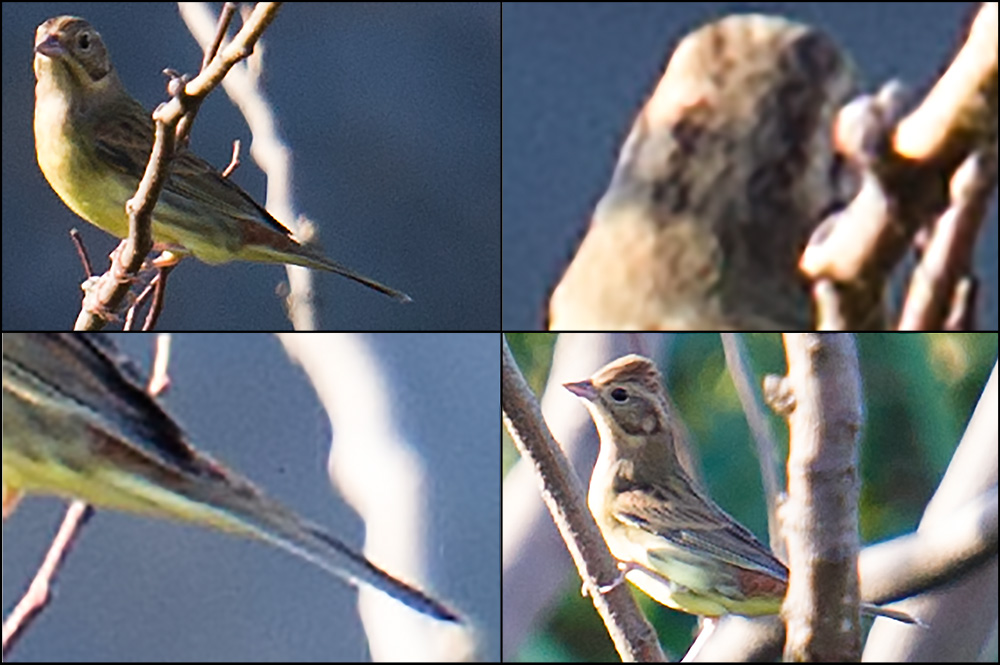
<point>263,518</point>
<point>360,569</point>
<point>317,261</point>
<point>333,266</point>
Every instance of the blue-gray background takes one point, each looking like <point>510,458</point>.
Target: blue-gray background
<point>391,114</point>
<point>144,590</point>
<point>575,75</point>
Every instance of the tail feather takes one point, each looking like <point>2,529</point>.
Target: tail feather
<point>288,250</point>
<point>263,518</point>
<point>875,610</point>
<point>324,263</point>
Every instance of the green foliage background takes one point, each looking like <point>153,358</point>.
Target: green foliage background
<point>919,390</point>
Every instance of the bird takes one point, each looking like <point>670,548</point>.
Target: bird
<point>673,541</point>
<point>93,140</point>
<point>78,424</point>
<point>727,170</point>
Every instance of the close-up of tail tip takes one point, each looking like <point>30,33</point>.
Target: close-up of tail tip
<point>421,602</point>
<point>398,296</point>
<point>439,611</point>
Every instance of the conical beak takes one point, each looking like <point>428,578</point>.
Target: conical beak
<point>583,389</point>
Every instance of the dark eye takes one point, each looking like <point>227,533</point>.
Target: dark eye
<point>84,41</point>
<point>619,394</point>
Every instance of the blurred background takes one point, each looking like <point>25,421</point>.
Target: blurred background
<point>575,76</point>
<point>390,113</point>
<point>919,392</point>
<point>149,590</point>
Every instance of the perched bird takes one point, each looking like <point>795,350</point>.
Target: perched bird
<point>78,424</point>
<point>93,140</point>
<point>674,542</point>
<point>727,170</point>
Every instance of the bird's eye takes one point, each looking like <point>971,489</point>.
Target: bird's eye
<point>84,41</point>
<point>619,394</point>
